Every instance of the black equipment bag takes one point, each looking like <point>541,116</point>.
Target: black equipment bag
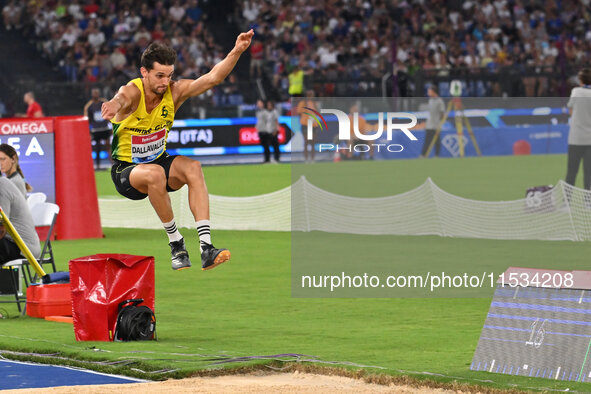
<point>135,323</point>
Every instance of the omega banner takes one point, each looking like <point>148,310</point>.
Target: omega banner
<point>33,141</point>
<point>56,159</point>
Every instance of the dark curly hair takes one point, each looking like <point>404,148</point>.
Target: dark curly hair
<point>585,76</point>
<point>158,52</point>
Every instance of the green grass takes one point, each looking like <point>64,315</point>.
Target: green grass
<point>480,178</point>
<point>246,180</point>
<point>245,306</point>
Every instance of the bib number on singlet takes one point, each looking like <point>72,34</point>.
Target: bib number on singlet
<point>97,116</point>
<point>146,148</point>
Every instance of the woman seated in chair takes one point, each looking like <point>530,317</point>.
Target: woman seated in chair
<point>15,207</point>
<point>10,167</point>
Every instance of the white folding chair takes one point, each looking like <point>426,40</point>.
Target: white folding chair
<point>45,214</point>
<point>36,198</point>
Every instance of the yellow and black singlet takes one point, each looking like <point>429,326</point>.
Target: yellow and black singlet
<point>141,137</point>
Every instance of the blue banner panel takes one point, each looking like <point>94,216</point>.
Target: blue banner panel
<point>36,158</point>
<point>542,139</point>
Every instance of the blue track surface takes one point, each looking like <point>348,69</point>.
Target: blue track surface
<point>19,375</point>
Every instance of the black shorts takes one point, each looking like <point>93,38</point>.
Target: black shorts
<point>121,170</point>
<point>100,134</point>
<point>8,251</point>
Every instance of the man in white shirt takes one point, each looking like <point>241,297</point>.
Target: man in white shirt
<point>176,12</point>
<point>579,135</point>
<point>96,38</point>
<point>12,15</point>
<point>436,108</point>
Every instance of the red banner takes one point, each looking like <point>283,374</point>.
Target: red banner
<point>250,136</point>
<point>26,126</point>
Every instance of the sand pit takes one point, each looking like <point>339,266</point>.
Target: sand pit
<point>294,382</point>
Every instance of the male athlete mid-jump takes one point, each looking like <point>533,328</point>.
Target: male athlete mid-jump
<point>142,113</point>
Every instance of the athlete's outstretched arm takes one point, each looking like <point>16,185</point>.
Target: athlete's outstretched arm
<point>120,103</point>
<point>189,88</point>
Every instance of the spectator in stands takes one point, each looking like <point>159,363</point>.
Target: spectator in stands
<point>91,7</point>
<point>34,110</point>
<point>176,12</point>
<point>17,210</point>
<point>158,34</point>
<point>360,37</point>
<point>71,34</point>
<point>193,11</point>
<point>11,13</point>
<point>10,167</point>
<point>95,37</point>
<point>250,11</point>
<point>118,59</point>
<point>579,136</point>
<point>296,82</point>
<point>352,42</point>
<point>142,37</point>
<point>256,58</point>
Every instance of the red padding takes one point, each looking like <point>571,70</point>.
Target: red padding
<point>48,300</point>
<point>74,180</point>
<point>99,283</point>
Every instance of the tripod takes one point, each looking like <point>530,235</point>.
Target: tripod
<point>461,121</point>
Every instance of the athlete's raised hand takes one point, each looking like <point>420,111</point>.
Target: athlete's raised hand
<point>109,109</point>
<point>185,88</point>
<point>243,41</point>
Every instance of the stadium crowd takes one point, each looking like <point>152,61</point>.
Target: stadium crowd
<point>358,41</point>
<point>365,39</point>
<point>102,41</point>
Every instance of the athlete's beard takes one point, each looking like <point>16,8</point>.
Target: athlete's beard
<point>156,92</point>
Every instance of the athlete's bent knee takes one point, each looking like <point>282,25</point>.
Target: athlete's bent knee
<point>195,172</point>
<point>155,177</point>
<point>196,166</point>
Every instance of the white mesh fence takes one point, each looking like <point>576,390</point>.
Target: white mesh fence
<point>562,213</point>
<point>266,212</point>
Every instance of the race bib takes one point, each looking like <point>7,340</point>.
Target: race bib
<point>146,148</point>
<point>97,116</point>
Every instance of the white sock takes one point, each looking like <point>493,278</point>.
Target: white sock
<point>173,232</point>
<point>204,232</point>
